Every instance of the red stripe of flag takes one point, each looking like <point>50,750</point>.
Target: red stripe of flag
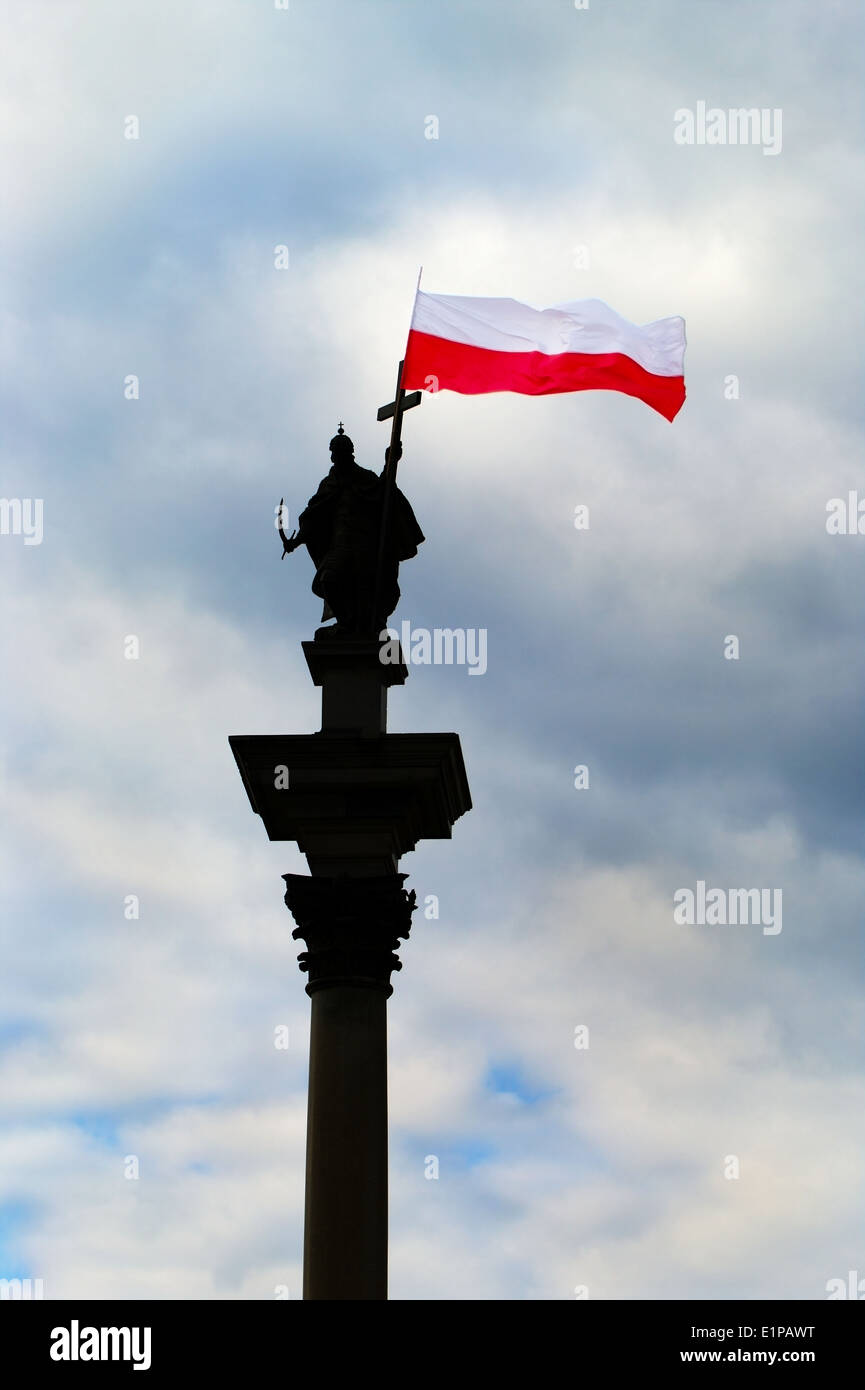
<point>473,371</point>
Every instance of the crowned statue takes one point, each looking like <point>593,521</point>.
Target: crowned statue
<point>356,537</point>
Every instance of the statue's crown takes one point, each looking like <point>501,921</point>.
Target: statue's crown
<point>341,444</point>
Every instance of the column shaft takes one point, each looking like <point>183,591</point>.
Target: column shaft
<point>345,1228</point>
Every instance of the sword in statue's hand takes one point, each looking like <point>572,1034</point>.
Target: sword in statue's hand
<point>288,542</point>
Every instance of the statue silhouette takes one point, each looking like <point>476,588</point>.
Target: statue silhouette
<point>341,529</point>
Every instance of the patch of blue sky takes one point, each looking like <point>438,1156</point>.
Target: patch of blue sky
<point>15,1216</point>
<point>106,1126</point>
<point>508,1078</point>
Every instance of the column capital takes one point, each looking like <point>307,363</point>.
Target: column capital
<point>351,926</point>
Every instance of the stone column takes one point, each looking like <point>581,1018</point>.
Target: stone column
<point>351,927</point>
<point>354,798</point>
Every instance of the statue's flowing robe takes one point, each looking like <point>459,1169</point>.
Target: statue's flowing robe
<point>341,526</point>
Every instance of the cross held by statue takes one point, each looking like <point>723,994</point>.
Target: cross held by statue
<point>394,410</point>
<point>402,400</point>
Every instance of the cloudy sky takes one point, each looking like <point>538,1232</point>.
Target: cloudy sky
<point>712,1050</point>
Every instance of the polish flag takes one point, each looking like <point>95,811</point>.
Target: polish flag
<point>478,345</point>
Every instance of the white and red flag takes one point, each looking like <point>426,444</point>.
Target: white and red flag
<point>478,345</point>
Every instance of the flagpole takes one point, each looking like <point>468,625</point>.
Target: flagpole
<point>390,468</point>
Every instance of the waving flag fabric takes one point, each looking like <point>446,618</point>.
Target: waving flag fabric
<point>478,345</point>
